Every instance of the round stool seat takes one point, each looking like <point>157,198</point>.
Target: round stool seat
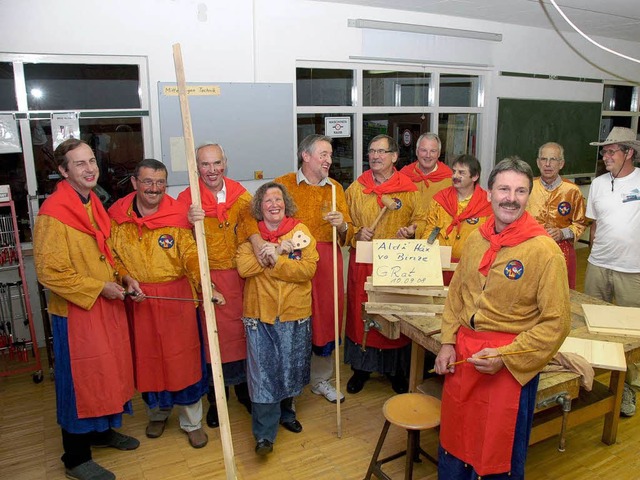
<point>413,411</point>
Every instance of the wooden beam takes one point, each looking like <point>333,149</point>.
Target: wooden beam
<point>205,276</point>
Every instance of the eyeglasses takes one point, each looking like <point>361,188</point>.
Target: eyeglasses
<point>380,151</point>
<point>609,152</point>
<point>548,160</point>
<point>147,182</point>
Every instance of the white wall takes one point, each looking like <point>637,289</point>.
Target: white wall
<point>260,40</point>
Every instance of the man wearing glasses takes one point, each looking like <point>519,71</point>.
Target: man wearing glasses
<point>364,197</point>
<point>428,173</point>
<point>156,255</point>
<point>613,269</point>
<point>558,205</point>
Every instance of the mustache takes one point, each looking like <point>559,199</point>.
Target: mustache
<point>513,204</point>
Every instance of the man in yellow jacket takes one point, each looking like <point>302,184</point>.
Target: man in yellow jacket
<point>225,208</point>
<point>154,245</point>
<point>93,367</point>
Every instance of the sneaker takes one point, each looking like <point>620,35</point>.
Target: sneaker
<point>89,471</point>
<point>326,389</point>
<point>628,405</point>
<point>119,441</point>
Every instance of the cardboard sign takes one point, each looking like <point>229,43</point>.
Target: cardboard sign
<point>402,262</point>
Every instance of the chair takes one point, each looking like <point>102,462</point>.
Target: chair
<point>414,412</point>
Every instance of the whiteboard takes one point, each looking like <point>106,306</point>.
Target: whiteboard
<point>254,123</point>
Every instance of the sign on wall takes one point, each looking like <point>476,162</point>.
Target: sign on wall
<point>337,127</point>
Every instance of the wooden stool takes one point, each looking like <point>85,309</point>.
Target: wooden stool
<point>414,412</point>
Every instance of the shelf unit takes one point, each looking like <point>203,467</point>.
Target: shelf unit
<point>14,345</point>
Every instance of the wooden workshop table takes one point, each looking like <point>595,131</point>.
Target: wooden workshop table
<point>603,400</point>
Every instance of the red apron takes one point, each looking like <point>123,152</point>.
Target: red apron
<point>233,345</point>
<point>166,341</point>
<point>479,411</point>
<point>570,257</point>
<point>322,323</point>
<point>100,353</point>
<point>358,273</point>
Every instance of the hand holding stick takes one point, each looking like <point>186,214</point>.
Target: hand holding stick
<point>518,352</point>
<point>389,204</point>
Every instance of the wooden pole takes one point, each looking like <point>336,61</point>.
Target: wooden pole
<point>205,276</point>
<point>336,313</point>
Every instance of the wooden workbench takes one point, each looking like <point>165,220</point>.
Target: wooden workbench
<point>603,401</point>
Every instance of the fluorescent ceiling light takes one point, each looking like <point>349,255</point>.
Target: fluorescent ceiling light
<point>425,29</point>
<point>419,61</point>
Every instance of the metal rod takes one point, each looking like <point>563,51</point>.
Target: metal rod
<point>177,299</point>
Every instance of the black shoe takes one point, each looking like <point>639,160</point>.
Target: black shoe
<point>117,440</point>
<point>357,381</point>
<point>399,383</point>
<point>293,426</point>
<point>264,447</point>
<point>212,416</point>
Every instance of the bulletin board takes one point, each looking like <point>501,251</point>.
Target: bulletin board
<point>254,123</point>
<point>524,125</point>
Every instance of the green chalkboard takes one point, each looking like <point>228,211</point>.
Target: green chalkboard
<point>524,125</point>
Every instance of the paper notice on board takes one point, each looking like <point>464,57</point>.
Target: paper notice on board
<point>64,126</point>
<point>9,136</point>
<point>178,154</point>
<point>402,262</point>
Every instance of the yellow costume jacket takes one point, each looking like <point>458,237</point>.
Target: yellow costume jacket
<point>282,291</point>
<point>525,293</point>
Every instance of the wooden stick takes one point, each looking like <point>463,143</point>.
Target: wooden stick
<point>433,370</point>
<point>205,276</point>
<point>336,313</point>
<point>389,204</point>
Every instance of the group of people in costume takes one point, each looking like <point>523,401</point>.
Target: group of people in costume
<point>270,261</point>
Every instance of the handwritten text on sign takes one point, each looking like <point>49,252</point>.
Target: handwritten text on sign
<point>406,262</point>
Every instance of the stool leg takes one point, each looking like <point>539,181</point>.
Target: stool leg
<point>376,453</point>
<point>411,445</point>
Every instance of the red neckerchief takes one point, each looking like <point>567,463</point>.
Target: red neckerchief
<point>171,213</point>
<point>515,233</point>
<point>416,175</point>
<point>209,201</point>
<point>286,225</point>
<point>478,206</point>
<point>65,205</point>
<point>396,183</point>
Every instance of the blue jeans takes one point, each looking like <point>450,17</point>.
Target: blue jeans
<point>265,418</point>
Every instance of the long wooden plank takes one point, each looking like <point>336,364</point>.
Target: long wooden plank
<point>612,319</point>
<point>205,276</point>
<point>403,308</point>
<point>609,355</point>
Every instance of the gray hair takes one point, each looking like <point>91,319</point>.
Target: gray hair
<point>211,144</point>
<point>430,136</point>
<point>552,144</point>
<point>290,208</point>
<point>511,164</point>
<point>391,142</point>
<point>308,144</point>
